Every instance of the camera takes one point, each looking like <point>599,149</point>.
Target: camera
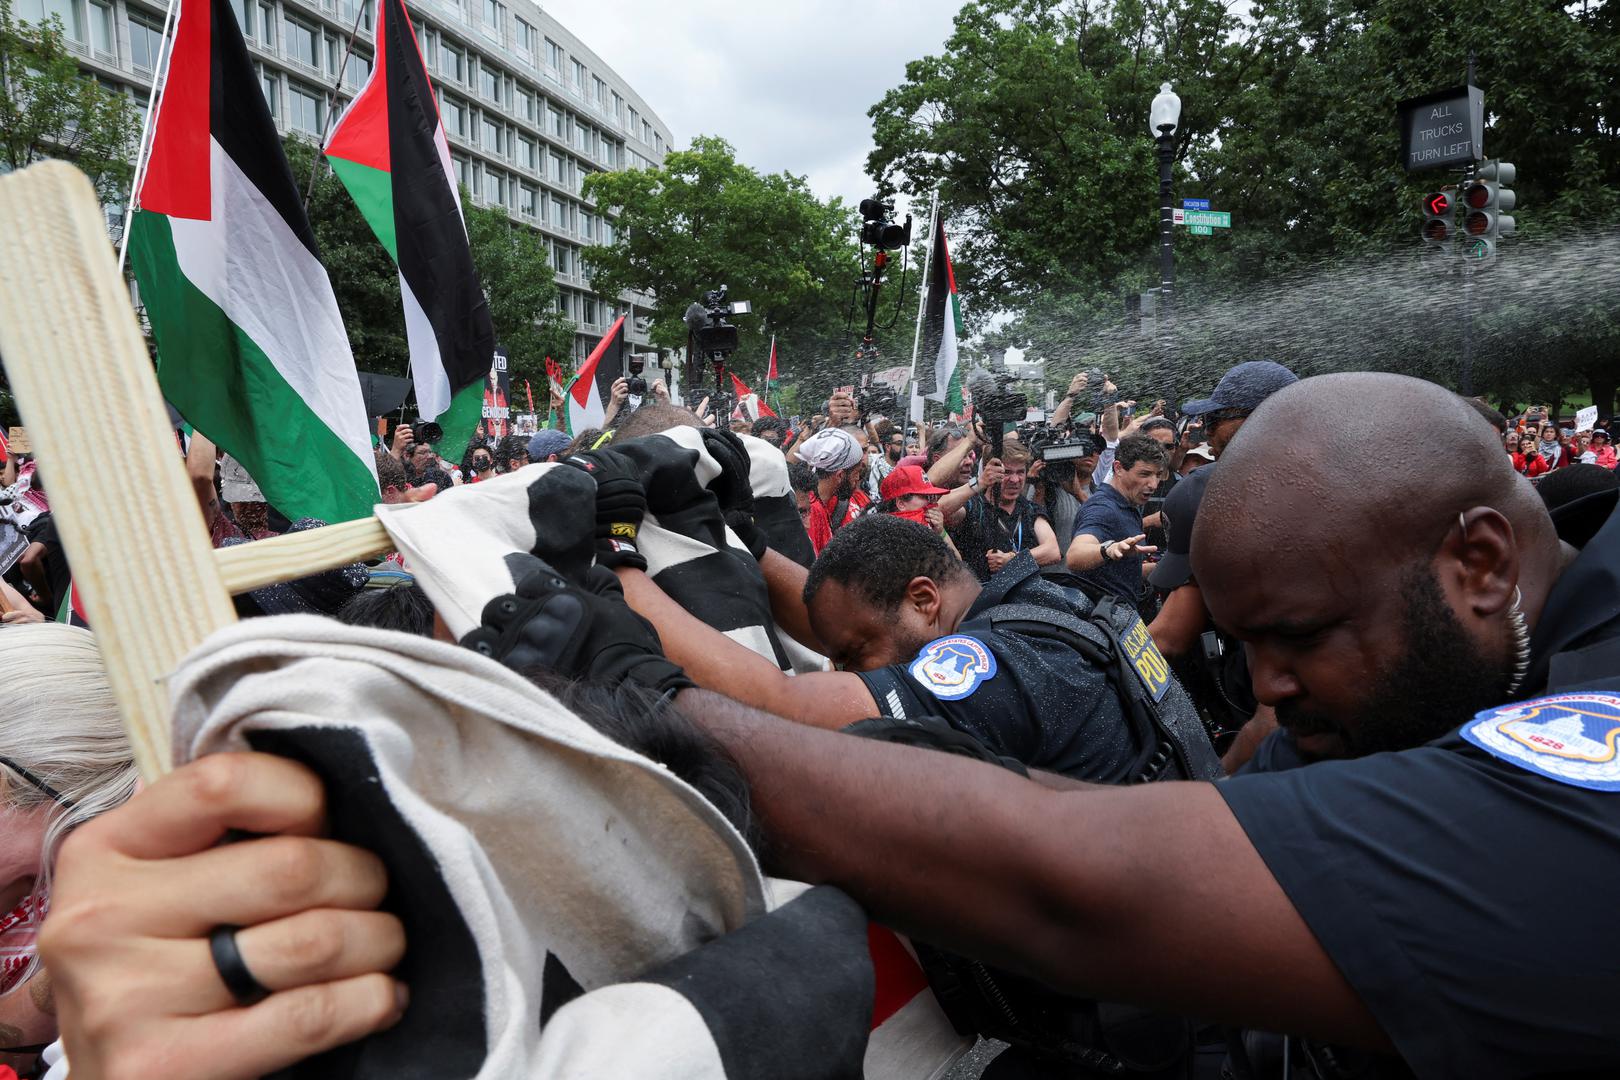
<point>995,400</point>
<point>707,322</point>
<point>634,382</point>
<point>878,227</point>
<point>427,431</point>
<point>876,400</point>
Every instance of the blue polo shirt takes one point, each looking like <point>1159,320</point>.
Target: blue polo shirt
<point>1109,516</point>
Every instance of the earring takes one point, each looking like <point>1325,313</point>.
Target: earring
<point>1521,642</point>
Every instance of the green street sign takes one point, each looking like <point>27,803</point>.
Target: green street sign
<point>1215,219</point>
<point>1201,230</point>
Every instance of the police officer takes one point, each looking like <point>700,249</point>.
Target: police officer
<point>1446,906</point>
<point>1035,672</point>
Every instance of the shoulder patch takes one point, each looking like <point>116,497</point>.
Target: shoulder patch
<point>953,667</point>
<point>1571,738</point>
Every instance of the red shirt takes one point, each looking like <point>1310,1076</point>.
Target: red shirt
<point>1535,467</point>
<point>820,525</point>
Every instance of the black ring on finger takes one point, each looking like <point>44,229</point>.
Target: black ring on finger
<point>232,968</point>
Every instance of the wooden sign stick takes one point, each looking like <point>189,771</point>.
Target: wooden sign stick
<point>139,549</point>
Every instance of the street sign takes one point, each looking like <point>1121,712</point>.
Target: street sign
<point>1195,204</point>
<point>1178,217</point>
<point>1218,219</point>
<point>1441,129</point>
<point>1201,230</point>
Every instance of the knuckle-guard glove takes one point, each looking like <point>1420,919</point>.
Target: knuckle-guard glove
<point>621,507</point>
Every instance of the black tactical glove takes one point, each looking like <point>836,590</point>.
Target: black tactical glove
<point>734,487</point>
<point>621,504</point>
<point>589,633</point>
<point>753,537</point>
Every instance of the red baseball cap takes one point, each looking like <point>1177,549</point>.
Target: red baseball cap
<point>907,480</point>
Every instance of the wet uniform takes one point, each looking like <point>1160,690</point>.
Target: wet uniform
<point>1467,889</point>
<point>1029,698</point>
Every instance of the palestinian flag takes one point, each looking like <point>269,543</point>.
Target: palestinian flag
<point>770,372</point>
<point>588,395</point>
<point>751,403</point>
<point>251,348</point>
<point>942,327</point>
<point>390,151</point>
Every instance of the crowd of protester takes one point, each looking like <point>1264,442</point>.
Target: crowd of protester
<point>1111,594</point>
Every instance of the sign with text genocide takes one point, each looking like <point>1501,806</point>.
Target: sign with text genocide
<point>1195,204</point>
<point>1442,129</point>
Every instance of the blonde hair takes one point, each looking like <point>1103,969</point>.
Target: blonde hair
<point>60,722</point>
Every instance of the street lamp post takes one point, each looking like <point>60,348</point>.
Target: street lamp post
<point>1162,120</point>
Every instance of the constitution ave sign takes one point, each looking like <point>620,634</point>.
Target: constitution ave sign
<point>1443,128</point>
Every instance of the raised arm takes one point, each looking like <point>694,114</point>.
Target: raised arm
<point>713,661</point>
<point>1151,894</point>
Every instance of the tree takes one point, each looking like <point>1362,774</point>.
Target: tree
<point>50,109</point>
<point>512,263</point>
<point>1288,123</point>
<point>705,219</point>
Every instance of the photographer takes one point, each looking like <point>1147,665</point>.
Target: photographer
<point>1062,487</point>
<point>1110,543</point>
<point>999,525</point>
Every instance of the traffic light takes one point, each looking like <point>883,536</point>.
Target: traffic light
<point>1440,216</point>
<point>1484,200</point>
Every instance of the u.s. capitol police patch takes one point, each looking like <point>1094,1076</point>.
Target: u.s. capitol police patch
<point>953,667</point>
<point>1571,738</point>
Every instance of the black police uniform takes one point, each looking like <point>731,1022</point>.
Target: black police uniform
<point>1026,697</point>
<point>1467,889</point>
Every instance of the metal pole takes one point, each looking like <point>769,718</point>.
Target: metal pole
<point>143,152</point>
<point>1467,380</point>
<point>332,96</point>
<point>922,293</point>
<point>1167,263</point>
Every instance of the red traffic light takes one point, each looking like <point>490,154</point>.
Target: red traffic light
<point>1477,197</point>
<point>1436,231</point>
<point>1438,203</point>
<point>1477,223</point>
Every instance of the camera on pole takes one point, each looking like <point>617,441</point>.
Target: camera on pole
<point>878,227</point>
<point>711,334</point>
<point>1484,201</point>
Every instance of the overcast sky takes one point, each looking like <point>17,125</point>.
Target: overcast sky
<point>786,82</point>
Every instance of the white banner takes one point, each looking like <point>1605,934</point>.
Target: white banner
<point>1586,419</point>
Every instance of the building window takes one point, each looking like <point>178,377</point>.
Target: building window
<point>559,258</point>
<point>244,16</point>
<point>607,231</point>
<point>587,311</point>
<point>658,142</point>
<point>349,11</point>
<point>525,104</point>
<point>579,75</point>
<point>618,106</point>
<point>562,302</point>
<point>558,167</point>
<point>356,71</point>
<point>463,171</point>
<point>304,109</point>
<point>333,55</point>
<point>582,137</point>
<point>646,133</point>
<point>492,13</point>
<point>558,124</point>
<point>587,226</point>
<point>145,40</point>
<point>489,83</point>
<point>554,54</point>
<point>301,42</point>
<point>528,154</point>
<point>454,114</point>
<point>492,134</point>
<point>101,27</point>
<point>528,198</point>
<point>525,39</point>
<point>494,188</point>
<point>598,91</point>
<point>452,62</point>
<point>272,92</point>
<point>40,11</point>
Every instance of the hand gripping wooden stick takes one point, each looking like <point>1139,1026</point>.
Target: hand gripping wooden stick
<point>137,543</point>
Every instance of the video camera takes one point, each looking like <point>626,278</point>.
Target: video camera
<point>714,336</point>
<point>878,227</point>
<point>876,400</point>
<point>997,403</point>
<point>1045,444</point>
<point>634,382</point>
